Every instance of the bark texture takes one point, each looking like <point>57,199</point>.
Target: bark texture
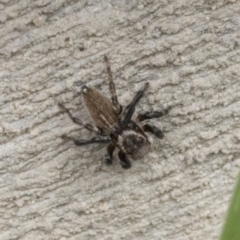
<point>189,52</point>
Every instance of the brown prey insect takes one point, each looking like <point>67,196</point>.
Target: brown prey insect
<point>114,126</point>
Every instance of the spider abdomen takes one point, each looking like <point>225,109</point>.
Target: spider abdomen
<point>100,108</point>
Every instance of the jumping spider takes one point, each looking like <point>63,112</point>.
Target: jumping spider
<point>114,126</point>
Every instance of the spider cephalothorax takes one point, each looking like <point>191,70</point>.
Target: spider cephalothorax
<point>131,140</point>
<point>116,127</point>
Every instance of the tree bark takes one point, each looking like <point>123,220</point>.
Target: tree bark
<point>189,53</point>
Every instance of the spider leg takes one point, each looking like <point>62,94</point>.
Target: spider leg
<point>129,110</point>
<point>150,115</point>
<point>124,162</point>
<point>109,153</point>
<point>99,139</point>
<point>116,105</point>
<point>78,121</point>
<point>153,129</point>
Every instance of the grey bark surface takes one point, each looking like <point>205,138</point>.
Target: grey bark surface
<point>189,52</point>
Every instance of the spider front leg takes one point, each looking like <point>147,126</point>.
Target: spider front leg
<point>99,139</point>
<point>150,115</point>
<point>129,110</point>
<point>109,154</point>
<point>124,162</point>
<point>116,105</point>
<point>153,129</point>
<point>78,121</point>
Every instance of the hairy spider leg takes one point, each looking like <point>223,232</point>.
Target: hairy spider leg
<point>78,121</point>
<point>99,139</point>
<point>124,162</point>
<point>129,110</point>
<point>153,129</point>
<point>117,106</point>
<point>150,115</point>
<point>109,153</point>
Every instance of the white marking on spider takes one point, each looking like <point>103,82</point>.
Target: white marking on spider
<point>105,120</point>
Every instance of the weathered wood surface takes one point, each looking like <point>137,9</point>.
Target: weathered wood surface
<point>188,51</point>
